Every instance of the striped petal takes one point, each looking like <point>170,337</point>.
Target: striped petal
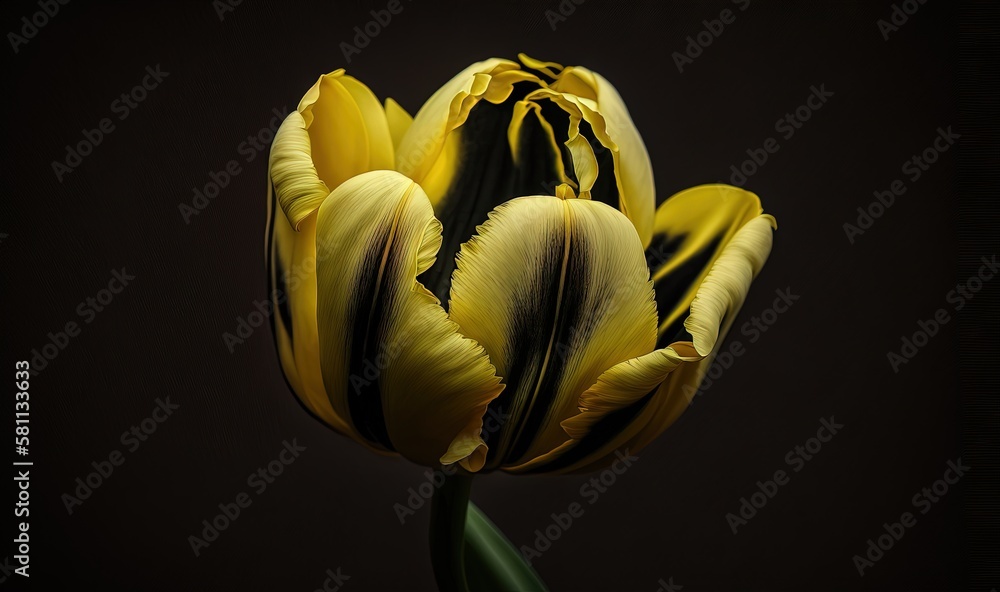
<point>292,288</point>
<point>393,365</point>
<point>712,313</point>
<point>474,145</point>
<point>636,400</point>
<point>338,131</point>
<point>692,230</point>
<point>557,291</point>
<point>422,154</point>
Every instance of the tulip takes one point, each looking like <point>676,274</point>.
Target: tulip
<point>489,283</point>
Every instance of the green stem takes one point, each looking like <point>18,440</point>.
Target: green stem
<point>492,560</point>
<point>449,508</point>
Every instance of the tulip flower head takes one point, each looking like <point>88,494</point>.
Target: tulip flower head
<point>498,256</point>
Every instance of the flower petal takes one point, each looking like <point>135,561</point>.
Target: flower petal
<point>586,95</point>
<point>292,288</point>
<point>557,292</point>
<point>296,184</point>
<point>339,130</point>
<point>392,362</point>
<point>475,145</point>
<point>712,313</point>
<point>398,119</point>
<point>636,400</point>
<point>691,231</point>
<point>446,110</point>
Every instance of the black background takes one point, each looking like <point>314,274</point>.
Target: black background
<point>333,507</point>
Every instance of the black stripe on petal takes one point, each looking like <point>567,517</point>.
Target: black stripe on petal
<point>568,327</point>
<point>605,188</point>
<point>371,298</point>
<point>545,324</point>
<point>602,432</point>
<point>487,177</point>
<point>672,287</point>
<point>281,297</point>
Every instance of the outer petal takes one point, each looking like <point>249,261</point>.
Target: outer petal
<point>692,230</point>
<point>713,311</point>
<point>392,362</point>
<point>557,292</point>
<point>339,130</point>
<point>292,279</point>
<point>636,400</point>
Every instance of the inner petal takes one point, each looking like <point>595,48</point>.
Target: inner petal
<point>489,169</point>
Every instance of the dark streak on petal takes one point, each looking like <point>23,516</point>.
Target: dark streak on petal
<point>488,177</point>
<point>671,288</point>
<point>279,294</point>
<point>605,188</point>
<point>538,331</point>
<point>569,327</point>
<point>370,301</point>
<point>608,427</point>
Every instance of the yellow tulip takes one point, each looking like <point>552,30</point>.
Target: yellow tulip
<point>497,256</point>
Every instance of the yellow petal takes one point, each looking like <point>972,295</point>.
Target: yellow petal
<point>523,146</point>
<point>392,362</point>
<point>475,145</point>
<point>550,69</point>
<point>588,95</point>
<point>339,130</point>
<point>292,281</point>
<point>691,231</point>
<point>636,400</point>
<point>557,291</point>
<point>713,311</point>
<point>398,119</point>
<point>448,108</point>
<point>296,184</point>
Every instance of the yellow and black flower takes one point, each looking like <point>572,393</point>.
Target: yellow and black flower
<point>499,255</point>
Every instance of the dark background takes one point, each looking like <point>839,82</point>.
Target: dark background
<point>333,507</point>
